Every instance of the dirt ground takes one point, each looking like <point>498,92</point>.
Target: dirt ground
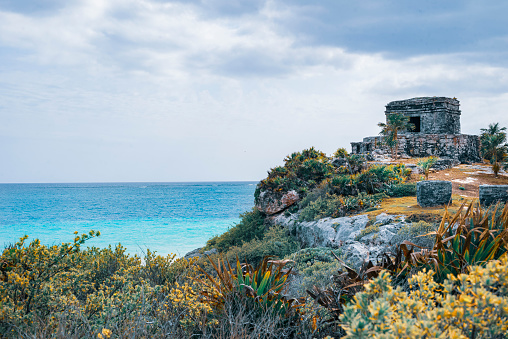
<point>465,179</point>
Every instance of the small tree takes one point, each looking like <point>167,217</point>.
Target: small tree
<point>493,146</point>
<point>395,122</point>
<point>425,164</point>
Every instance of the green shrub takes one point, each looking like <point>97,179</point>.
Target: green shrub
<point>301,171</point>
<point>337,206</point>
<point>375,179</point>
<point>355,162</point>
<point>468,238</point>
<point>264,285</point>
<point>402,190</point>
<point>319,274</point>
<point>250,227</point>
<point>340,153</point>
<point>276,242</point>
<point>342,185</point>
<point>313,266</point>
<point>425,164</point>
<point>416,233</point>
<point>309,256</point>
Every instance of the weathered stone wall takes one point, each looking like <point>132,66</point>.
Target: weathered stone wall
<point>438,115</point>
<point>461,147</point>
<point>491,194</point>
<point>433,193</point>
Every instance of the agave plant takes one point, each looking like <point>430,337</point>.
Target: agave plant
<point>265,284</point>
<point>465,239</point>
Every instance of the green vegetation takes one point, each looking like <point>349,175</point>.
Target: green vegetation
<point>313,266</point>
<point>252,226</point>
<point>417,233</point>
<point>466,246</point>
<point>466,239</point>
<point>401,190</point>
<point>343,194</point>
<point>264,285</point>
<point>395,122</point>
<point>337,206</point>
<point>71,292</point>
<point>445,278</point>
<point>425,164</point>
<point>301,172</point>
<point>375,179</point>
<point>493,146</point>
<point>275,242</point>
<point>64,291</point>
<point>367,230</point>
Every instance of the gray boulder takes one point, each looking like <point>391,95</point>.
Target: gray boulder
<point>272,202</point>
<point>197,253</point>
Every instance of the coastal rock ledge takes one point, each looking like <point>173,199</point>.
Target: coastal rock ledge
<point>358,240</point>
<point>268,202</point>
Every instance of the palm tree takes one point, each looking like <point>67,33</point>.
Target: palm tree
<point>395,122</point>
<point>493,145</point>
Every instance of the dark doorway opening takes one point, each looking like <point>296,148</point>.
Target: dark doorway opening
<point>415,121</point>
<point>358,149</point>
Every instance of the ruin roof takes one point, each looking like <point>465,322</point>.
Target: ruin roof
<point>423,101</point>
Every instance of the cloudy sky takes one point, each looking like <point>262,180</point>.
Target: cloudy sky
<point>155,90</point>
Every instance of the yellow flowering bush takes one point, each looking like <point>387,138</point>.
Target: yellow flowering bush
<point>38,280</point>
<point>186,300</point>
<point>41,285</point>
<point>473,305</point>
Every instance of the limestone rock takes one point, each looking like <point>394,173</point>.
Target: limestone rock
<point>284,221</point>
<point>347,228</point>
<point>270,204</point>
<point>316,233</point>
<point>197,253</point>
<point>343,233</point>
<point>193,253</point>
<point>383,219</point>
<point>355,253</point>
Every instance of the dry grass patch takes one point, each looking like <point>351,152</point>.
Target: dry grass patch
<point>409,206</point>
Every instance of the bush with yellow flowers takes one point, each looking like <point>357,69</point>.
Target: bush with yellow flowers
<point>473,305</point>
<point>186,301</point>
<point>89,288</point>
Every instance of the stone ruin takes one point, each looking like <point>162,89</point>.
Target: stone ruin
<point>433,193</point>
<point>436,132</point>
<point>491,194</point>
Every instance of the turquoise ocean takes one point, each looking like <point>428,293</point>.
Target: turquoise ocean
<point>164,217</point>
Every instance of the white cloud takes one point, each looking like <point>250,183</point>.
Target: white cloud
<point>120,89</point>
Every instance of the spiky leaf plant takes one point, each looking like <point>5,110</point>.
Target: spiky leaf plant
<point>265,284</point>
<point>471,237</point>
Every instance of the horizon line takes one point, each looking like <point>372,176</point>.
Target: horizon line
<point>128,182</point>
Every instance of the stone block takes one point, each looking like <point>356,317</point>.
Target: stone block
<point>491,194</point>
<point>442,164</point>
<point>433,193</point>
